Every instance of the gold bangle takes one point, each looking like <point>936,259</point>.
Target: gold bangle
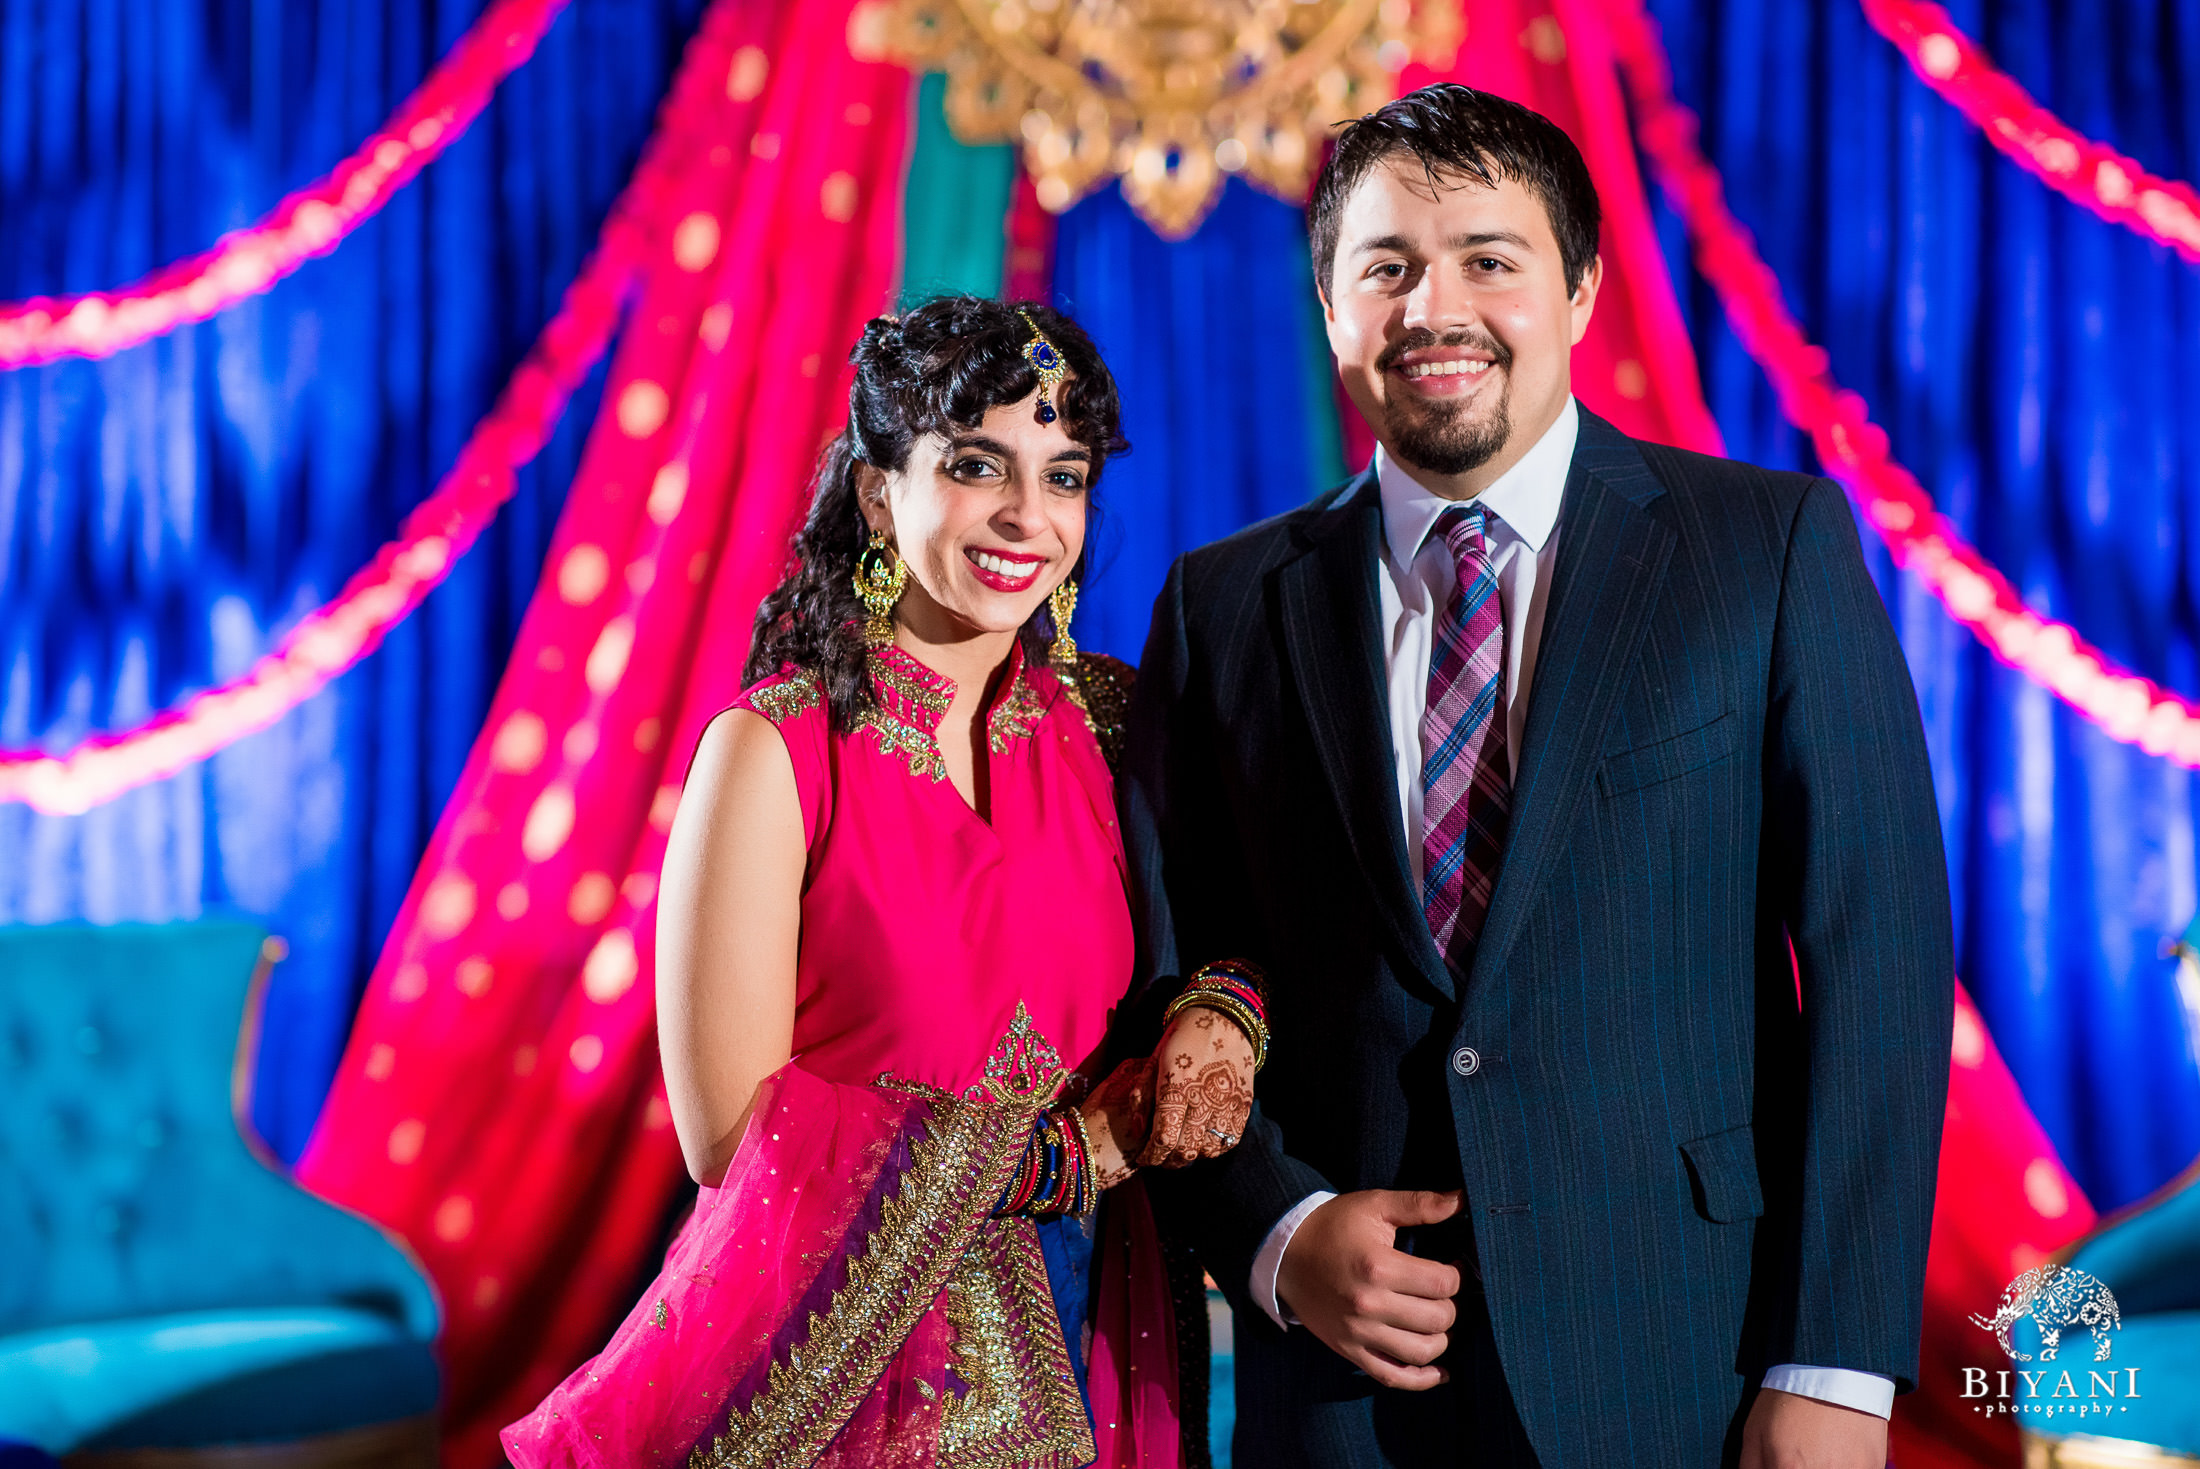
<point>1244,971</point>
<point>1088,1185</point>
<point>1221,1000</point>
<point>1256,1031</point>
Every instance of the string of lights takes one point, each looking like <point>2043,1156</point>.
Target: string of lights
<point>1854,450</point>
<point>2113,186</point>
<point>306,224</point>
<point>336,635</point>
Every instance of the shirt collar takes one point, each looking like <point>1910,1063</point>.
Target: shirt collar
<point>1526,497</point>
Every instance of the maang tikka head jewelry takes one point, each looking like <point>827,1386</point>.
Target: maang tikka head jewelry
<point>1046,361</point>
<point>881,576</point>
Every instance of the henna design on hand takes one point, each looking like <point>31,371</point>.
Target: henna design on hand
<point>1119,1118</point>
<point>1200,1113</point>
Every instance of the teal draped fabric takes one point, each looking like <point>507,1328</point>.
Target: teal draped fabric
<point>1217,346</point>
<point>2039,370</point>
<point>165,513</point>
<point>954,206</point>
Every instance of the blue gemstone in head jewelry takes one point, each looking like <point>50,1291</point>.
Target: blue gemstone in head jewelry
<point>1046,361</point>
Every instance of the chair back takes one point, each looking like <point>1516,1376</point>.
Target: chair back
<point>2149,1253</point>
<point>127,1186</point>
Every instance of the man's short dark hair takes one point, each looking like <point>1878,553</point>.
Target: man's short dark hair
<point>1459,134</point>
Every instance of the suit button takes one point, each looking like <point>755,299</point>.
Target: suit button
<point>1465,1061</point>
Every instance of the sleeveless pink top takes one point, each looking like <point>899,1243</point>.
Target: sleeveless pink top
<point>925,924</point>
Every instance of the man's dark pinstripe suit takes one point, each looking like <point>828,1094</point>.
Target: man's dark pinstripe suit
<point>1673,1179</point>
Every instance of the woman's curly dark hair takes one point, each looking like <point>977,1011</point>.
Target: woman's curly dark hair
<point>935,369</point>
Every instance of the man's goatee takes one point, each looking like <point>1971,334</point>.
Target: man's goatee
<point>1449,442</point>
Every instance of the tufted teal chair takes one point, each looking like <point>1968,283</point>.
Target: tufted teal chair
<point>2148,1255</point>
<point>163,1286</point>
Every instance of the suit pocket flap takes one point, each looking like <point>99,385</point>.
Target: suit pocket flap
<point>1668,759</point>
<point>1722,1174</point>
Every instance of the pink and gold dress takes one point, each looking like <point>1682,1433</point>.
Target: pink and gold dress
<point>846,1295</point>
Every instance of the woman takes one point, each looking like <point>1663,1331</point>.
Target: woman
<point>892,922</point>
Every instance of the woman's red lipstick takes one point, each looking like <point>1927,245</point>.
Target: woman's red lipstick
<point>1001,581</point>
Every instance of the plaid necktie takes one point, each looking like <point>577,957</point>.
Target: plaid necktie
<point>1466,784</point>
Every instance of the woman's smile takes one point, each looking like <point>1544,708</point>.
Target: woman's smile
<point>1003,571</point>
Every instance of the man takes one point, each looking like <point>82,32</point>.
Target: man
<point>1541,768</point>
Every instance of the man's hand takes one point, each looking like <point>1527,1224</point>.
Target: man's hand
<point>1789,1431</point>
<point>1203,1083</point>
<point>1384,1311</point>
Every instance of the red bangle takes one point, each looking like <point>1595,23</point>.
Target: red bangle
<point>1242,977</point>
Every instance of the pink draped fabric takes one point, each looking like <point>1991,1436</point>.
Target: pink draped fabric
<point>2004,1204</point>
<point>500,1104</point>
<point>806,1320</point>
<point>796,1191</point>
<point>1132,1375</point>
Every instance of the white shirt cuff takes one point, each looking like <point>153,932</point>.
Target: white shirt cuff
<point>1268,1264</point>
<point>1867,1392</point>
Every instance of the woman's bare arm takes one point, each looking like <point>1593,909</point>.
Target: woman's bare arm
<point>729,915</point>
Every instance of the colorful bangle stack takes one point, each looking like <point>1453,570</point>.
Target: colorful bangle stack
<point>1055,1174</point>
<point>1030,1171</point>
<point>1239,989</point>
<point>1084,1197</point>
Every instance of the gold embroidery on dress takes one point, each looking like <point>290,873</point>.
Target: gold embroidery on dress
<point>800,692</point>
<point>1021,1408</point>
<point>935,1223</point>
<point>917,743</point>
<point>1015,714</point>
<point>1102,689</point>
<point>914,734</point>
<point>1023,1069</point>
<point>955,1172</point>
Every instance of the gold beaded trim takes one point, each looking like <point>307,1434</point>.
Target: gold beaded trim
<point>1016,715</point>
<point>916,743</point>
<point>1022,1409</point>
<point>1102,689</point>
<point>956,1171</point>
<point>780,700</point>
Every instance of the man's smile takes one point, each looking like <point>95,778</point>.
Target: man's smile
<point>1448,370</point>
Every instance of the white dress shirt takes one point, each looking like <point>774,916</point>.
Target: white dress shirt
<point>1415,580</point>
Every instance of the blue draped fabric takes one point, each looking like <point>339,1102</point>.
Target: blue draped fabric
<point>1217,348</point>
<point>165,514</point>
<point>2039,370</point>
<point>168,512</point>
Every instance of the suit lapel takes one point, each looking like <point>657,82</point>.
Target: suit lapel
<point>1332,634</point>
<point>1612,559</point>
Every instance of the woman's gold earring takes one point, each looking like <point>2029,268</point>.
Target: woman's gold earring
<point>1062,603</point>
<point>881,577</point>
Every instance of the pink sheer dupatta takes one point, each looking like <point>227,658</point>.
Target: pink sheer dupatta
<point>845,1298</point>
<point>1132,1375</point>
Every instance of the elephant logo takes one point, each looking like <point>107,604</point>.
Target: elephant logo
<point>2055,1296</point>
